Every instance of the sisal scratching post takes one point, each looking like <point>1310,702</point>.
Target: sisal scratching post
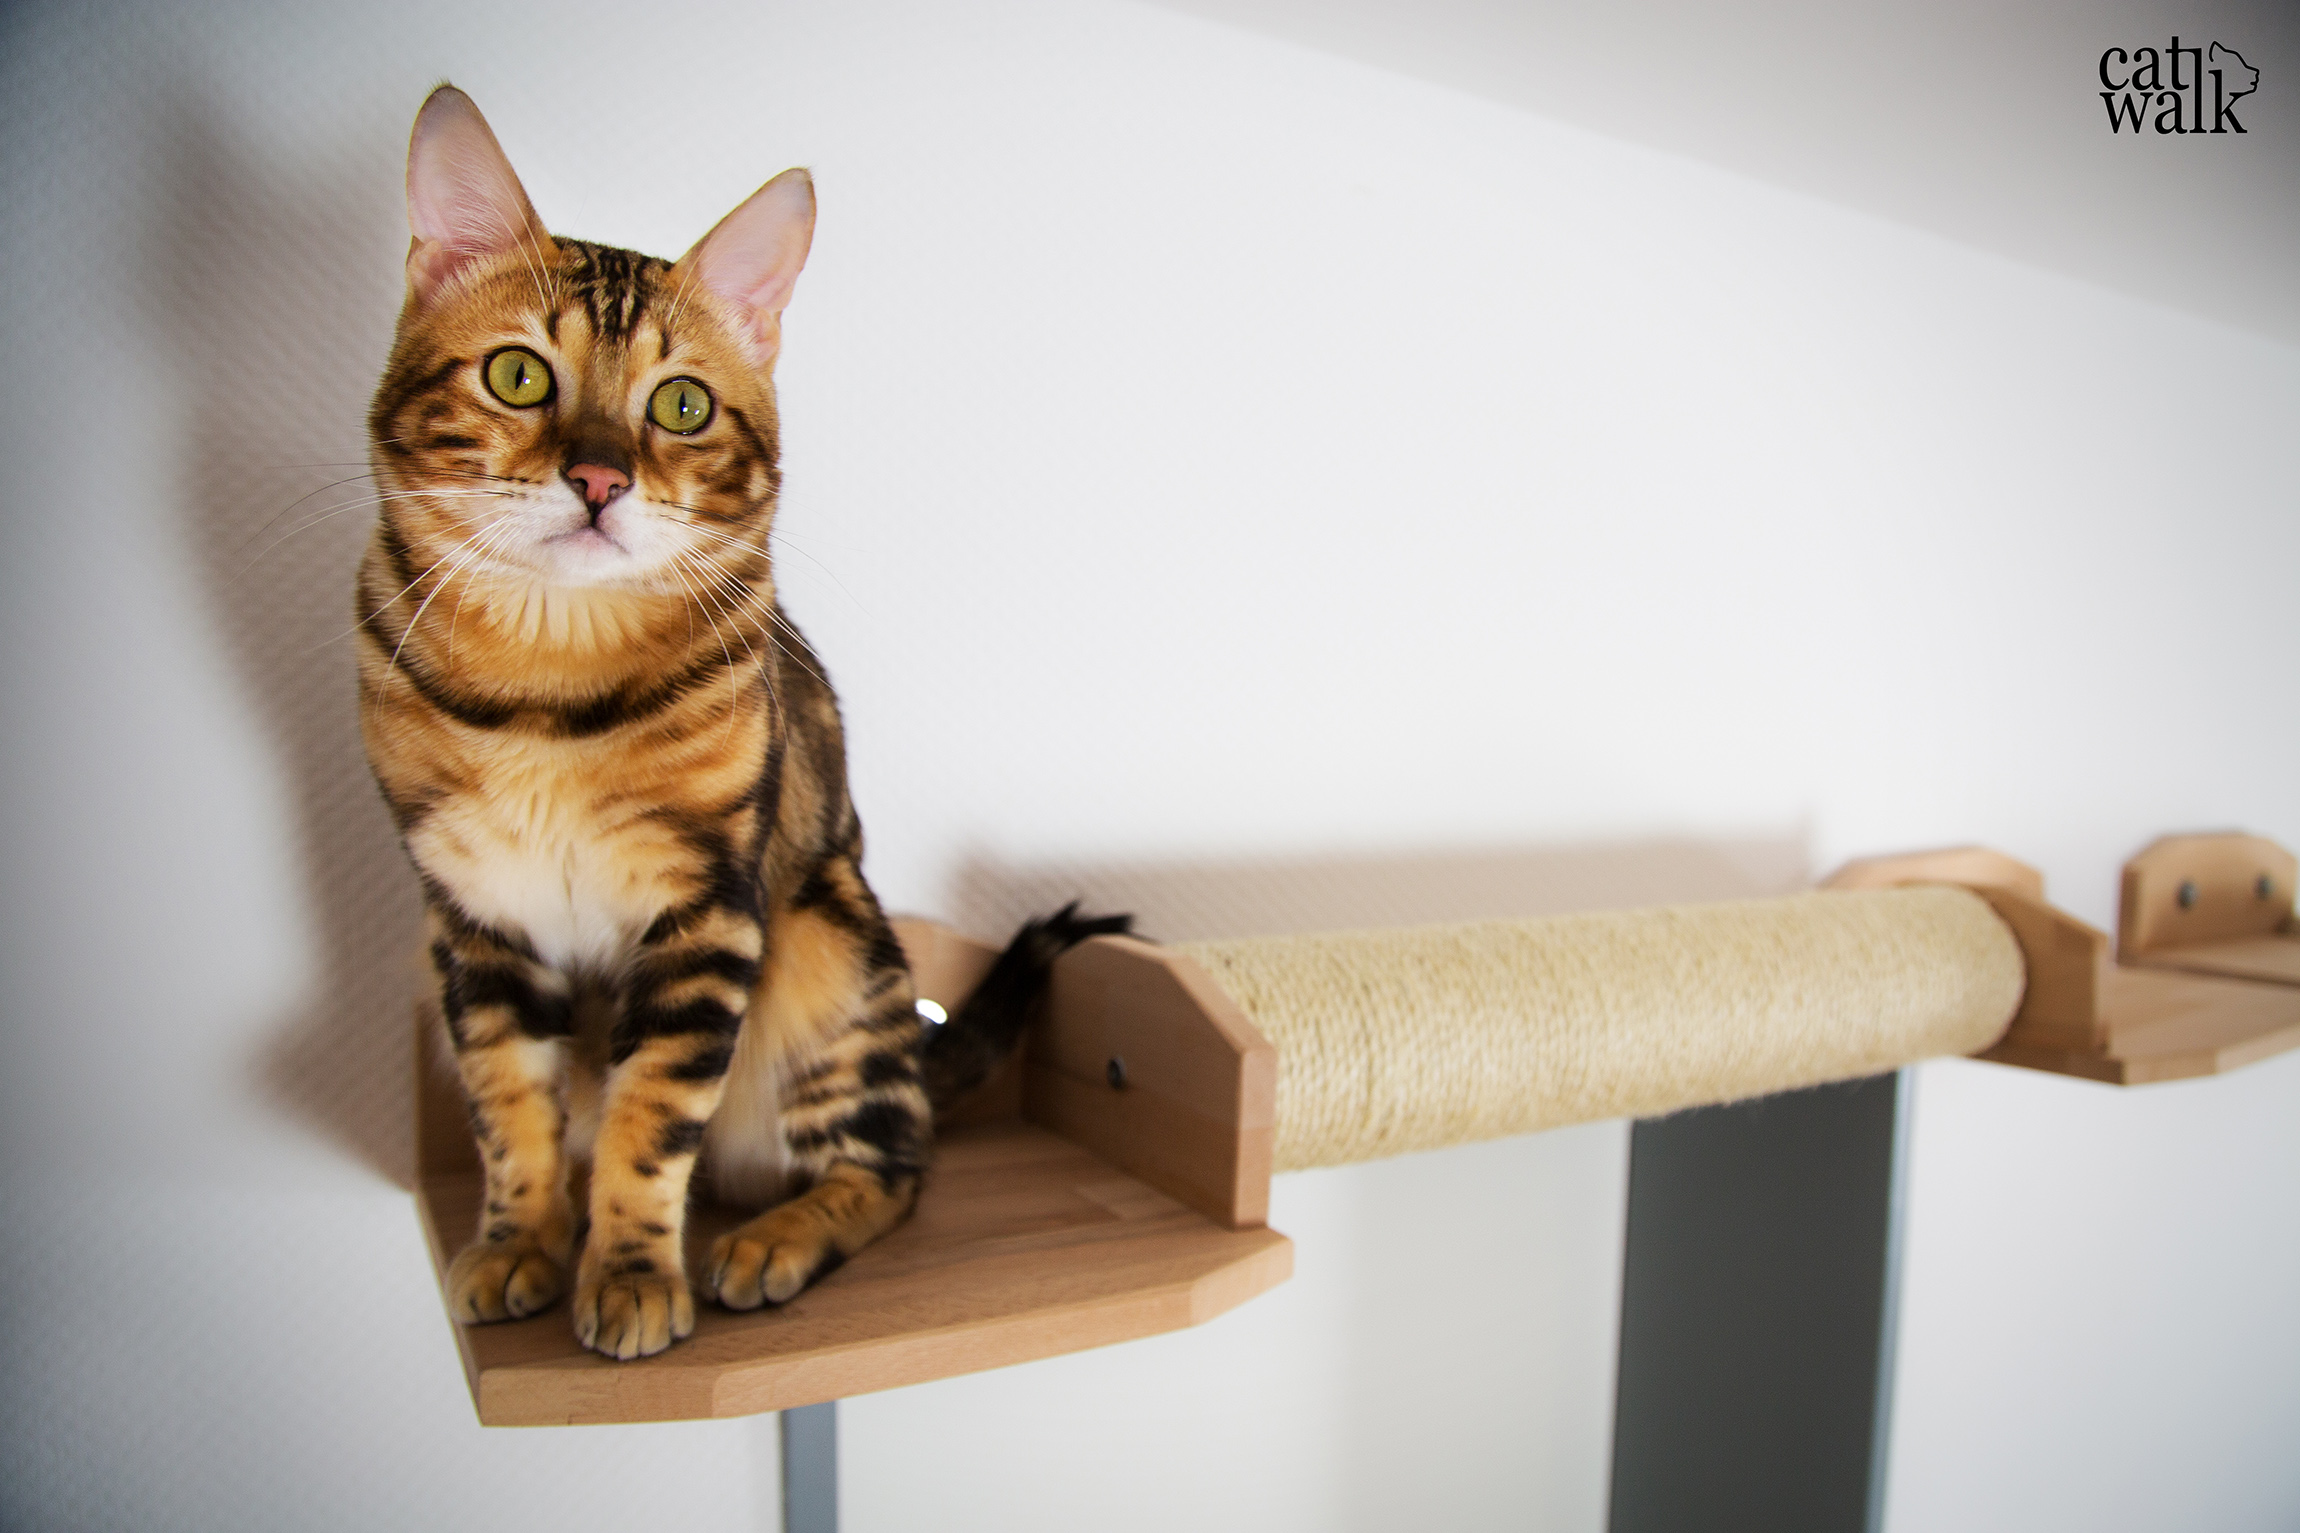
<point>1391,1041</point>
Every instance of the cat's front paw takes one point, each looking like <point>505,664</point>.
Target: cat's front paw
<point>504,1280</point>
<point>631,1311</point>
<point>769,1260</point>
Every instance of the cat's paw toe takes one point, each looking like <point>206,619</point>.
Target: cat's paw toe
<point>632,1314</point>
<point>503,1280</point>
<point>753,1266</point>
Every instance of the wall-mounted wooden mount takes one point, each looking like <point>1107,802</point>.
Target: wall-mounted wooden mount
<point>1070,1206</point>
<point>2173,1008</point>
<point>2218,904</point>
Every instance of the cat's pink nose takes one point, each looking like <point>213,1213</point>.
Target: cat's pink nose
<point>598,483</point>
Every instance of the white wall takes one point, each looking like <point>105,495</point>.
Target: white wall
<point>1970,118</point>
<point>1205,455</point>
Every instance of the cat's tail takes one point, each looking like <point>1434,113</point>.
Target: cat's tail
<point>960,1054</point>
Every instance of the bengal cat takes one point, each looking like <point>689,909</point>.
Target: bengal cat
<point>617,767</point>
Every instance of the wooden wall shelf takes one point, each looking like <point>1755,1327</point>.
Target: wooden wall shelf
<point>1026,1244</point>
<point>1113,1181</point>
<point>2165,1026</point>
<point>2209,977</point>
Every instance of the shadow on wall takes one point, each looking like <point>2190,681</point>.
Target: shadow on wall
<point>273,277</point>
<point>1186,902</point>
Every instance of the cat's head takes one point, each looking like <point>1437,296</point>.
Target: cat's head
<point>2242,78</point>
<point>571,415</point>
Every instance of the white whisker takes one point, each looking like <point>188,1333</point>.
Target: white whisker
<point>749,604</point>
<point>394,598</point>
<point>501,529</point>
<point>734,688</point>
<point>474,552</point>
<point>359,503</point>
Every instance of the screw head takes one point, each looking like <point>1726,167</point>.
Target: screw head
<point>2265,888</point>
<point>2187,894</point>
<point>1115,1073</point>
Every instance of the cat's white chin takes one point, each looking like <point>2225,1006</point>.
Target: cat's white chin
<point>587,548</point>
<point>622,550</point>
<point>593,557</point>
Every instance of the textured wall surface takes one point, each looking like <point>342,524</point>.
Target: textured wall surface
<point>1226,480</point>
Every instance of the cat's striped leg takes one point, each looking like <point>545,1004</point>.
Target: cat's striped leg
<point>507,1017</point>
<point>840,1011</point>
<point>683,1005</point>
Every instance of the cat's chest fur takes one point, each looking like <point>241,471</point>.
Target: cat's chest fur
<point>558,847</point>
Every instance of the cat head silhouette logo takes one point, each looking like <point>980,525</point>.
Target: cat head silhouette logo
<point>2189,90</point>
<point>2243,79</point>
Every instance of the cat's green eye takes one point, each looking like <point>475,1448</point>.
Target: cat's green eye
<point>682,405</point>
<point>518,377</point>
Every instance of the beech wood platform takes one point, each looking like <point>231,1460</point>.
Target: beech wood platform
<point>1025,1244</point>
<point>2205,977</point>
<point>1025,1247</point>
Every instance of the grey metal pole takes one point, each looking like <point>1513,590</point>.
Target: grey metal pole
<point>1757,1314</point>
<point>811,1468</point>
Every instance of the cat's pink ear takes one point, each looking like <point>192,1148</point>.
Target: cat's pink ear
<point>463,200</point>
<point>751,261</point>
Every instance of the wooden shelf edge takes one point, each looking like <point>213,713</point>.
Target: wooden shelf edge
<point>516,1396</point>
<point>1030,1240</point>
<point>443,1246</point>
<point>2076,1062</point>
<point>1024,1259</point>
<point>2164,1024</point>
<point>1055,1331</point>
<point>2273,959</point>
<point>2226,997</point>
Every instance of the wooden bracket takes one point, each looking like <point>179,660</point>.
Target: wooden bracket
<point>2061,1005</point>
<point>1975,867</point>
<point>2217,904</point>
<point>1145,1061</point>
<point>1101,1217</point>
<point>2133,1022</point>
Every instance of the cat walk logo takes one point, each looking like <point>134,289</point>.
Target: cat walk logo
<point>2176,83</point>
